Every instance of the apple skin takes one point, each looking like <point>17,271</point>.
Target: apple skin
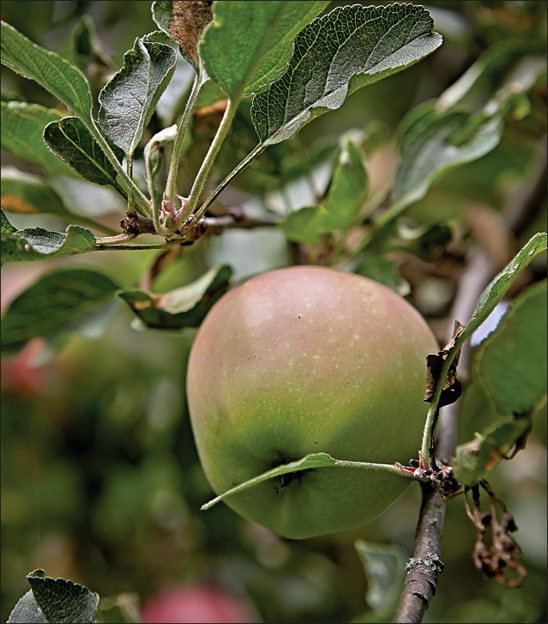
<point>302,360</point>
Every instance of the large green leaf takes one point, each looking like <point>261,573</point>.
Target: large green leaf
<point>337,54</point>
<point>23,135</point>
<point>248,45</point>
<point>73,143</point>
<point>507,384</point>
<point>48,69</point>
<point>38,243</point>
<point>511,361</point>
<point>28,193</point>
<point>61,300</point>
<point>183,307</point>
<point>129,98</point>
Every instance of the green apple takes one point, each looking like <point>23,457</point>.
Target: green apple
<point>305,360</point>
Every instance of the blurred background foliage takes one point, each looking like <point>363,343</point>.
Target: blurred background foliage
<point>100,478</point>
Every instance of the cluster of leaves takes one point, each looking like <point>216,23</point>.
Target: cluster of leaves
<point>297,66</point>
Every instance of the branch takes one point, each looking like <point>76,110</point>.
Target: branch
<point>425,565</point>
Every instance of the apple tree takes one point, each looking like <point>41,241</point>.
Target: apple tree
<point>285,256</point>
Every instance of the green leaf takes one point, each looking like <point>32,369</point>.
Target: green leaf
<point>477,458</point>
<point>511,361</point>
<point>73,143</point>
<point>348,189</point>
<point>23,135</point>
<point>248,45</point>
<point>428,152</point>
<point>501,283</point>
<point>487,302</point>
<point>347,193</point>
<point>384,567</point>
<point>304,225</point>
<point>384,271</point>
<point>7,227</point>
<point>129,98</point>
<point>60,300</point>
<point>183,307</point>
<point>26,193</point>
<point>63,601</point>
<point>38,243</point>
<point>48,69</point>
<point>27,611</point>
<point>313,460</point>
<point>335,55</point>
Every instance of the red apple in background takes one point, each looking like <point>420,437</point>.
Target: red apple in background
<point>298,361</point>
<point>194,603</point>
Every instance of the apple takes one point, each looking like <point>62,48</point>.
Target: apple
<point>194,603</point>
<point>305,360</point>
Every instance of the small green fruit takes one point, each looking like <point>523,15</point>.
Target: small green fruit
<point>303,360</point>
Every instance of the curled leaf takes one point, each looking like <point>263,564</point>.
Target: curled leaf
<point>452,388</point>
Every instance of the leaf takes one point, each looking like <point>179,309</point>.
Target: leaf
<point>304,225</point>
<point>73,143</point>
<point>313,460</point>
<point>487,302</point>
<point>511,361</point>
<point>183,307</point>
<point>347,192</point>
<point>60,300</point>
<point>335,55</point>
<point>88,48</point>
<point>61,600</point>
<point>38,243</point>
<point>23,135</point>
<point>248,45</point>
<point>27,611</point>
<point>384,271</point>
<point>477,458</point>
<point>48,69</point>
<point>26,193</point>
<point>384,567</point>
<point>490,65</point>
<point>348,189</point>
<point>183,22</point>
<point>129,98</point>
<point>6,225</point>
<point>429,153</point>
<point>501,283</point>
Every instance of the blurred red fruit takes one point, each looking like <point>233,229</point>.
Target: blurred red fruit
<point>194,603</point>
